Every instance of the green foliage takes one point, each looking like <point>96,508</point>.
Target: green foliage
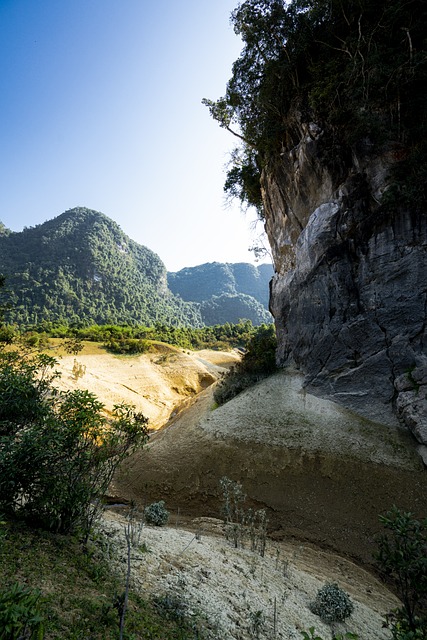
<point>79,589</point>
<point>33,339</point>
<point>225,336</point>
<point>258,361</point>
<point>312,635</point>
<point>173,608</point>
<point>81,268</point>
<point>20,613</point>
<point>243,178</point>
<point>226,292</point>
<point>359,69</point>
<point>332,604</point>
<point>197,284</point>
<point>257,623</point>
<point>58,451</point>
<point>73,344</point>
<point>232,307</point>
<point>398,622</point>
<point>260,356</point>
<point>8,334</point>
<point>128,346</point>
<point>156,514</point>
<point>402,557</point>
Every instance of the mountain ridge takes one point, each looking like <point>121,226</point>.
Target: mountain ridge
<point>81,267</point>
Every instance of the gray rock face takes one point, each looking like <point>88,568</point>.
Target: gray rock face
<point>349,296</point>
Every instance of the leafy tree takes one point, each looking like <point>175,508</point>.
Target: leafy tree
<point>358,69</point>
<point>402,557</point>
<point>58,450</point>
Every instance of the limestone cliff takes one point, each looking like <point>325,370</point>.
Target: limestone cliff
<point>350,289</point>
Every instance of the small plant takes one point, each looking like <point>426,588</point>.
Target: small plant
<point>134,527</point>
<point>256,527</point>
<point>171,607</point>
<point>332,604</point>
<point>256,623</point>
<point>79,370</point>
<point>241,524</point>
<point>156,514</point>
<point>20,615</point>
<point>401,556</point>
<point>312,635</point>
<point>232,509</point>
<point>73,345</point>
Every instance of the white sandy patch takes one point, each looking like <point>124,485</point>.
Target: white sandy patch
<point>278,411</point>
<point>231,586</point>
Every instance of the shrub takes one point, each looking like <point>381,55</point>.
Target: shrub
<point>332,604</point>
<point>171,607</point>
<point>156,514</point>
<point>398,622</point>
<point>258,362</point>
<point>20,615</point>
<point>58,451</point>
<point>128,346</point>
<point>240,523</point>
<point>401,556</point>
<point>313,635</point>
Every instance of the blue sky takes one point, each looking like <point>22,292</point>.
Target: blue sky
<point>100,106</point>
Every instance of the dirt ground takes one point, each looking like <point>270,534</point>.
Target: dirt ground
<point>158,384</point>
<point>323,474</point>
<point>324,483</point>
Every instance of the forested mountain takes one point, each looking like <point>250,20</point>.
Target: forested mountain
<point>226,292</point>
<point>81,267</point>
<point>200,283</point>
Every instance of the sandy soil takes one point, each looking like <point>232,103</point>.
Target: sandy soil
<point>158,384</point>
<point>322,473</point>
<point>233,588</point>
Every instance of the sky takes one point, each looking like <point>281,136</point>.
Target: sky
<point>100,107</point>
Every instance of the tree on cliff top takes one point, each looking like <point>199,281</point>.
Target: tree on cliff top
<point>357,68</point>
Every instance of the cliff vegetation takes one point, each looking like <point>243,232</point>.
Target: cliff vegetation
<point>357,69</point>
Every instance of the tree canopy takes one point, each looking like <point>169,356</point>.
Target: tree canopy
<point>357,68</point>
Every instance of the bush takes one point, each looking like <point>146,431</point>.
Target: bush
<point>58,451</point>
<point>20,616</point>
<point>156,514</point>
<point>401,556</point>
<point>233,383</point>
<point>130,346</point>
<point>332,604</point>
<point>258,362</point>
<point>314,636</point>
<point>398,622</point>
<point>241,523</point>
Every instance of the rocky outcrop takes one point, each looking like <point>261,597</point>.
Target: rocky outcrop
<point>350,290</point>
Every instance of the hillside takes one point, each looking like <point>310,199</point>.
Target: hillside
<point>79,267</point>
<point>322,473</point>
<point>226,292</point>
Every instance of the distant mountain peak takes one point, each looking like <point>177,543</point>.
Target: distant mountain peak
<point>81,267</point>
